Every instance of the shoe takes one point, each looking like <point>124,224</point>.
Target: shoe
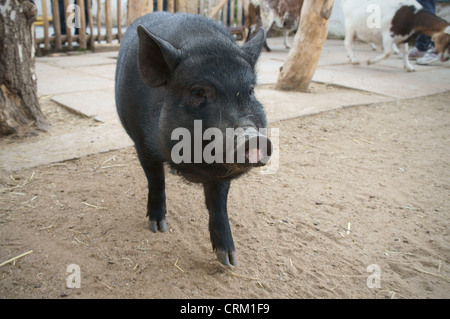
<point>429,58</point>
<point>415,53</point>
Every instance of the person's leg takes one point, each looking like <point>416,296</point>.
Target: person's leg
<point>425,41</point>
<point>429,5</point>
<point>430,56</point>
<point>422,41</point>
<point>62,16</point>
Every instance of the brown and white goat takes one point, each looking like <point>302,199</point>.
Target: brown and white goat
<point>280,14</point>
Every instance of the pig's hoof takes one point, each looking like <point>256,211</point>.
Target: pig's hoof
<point>226,257</point>
<point>158,225</point>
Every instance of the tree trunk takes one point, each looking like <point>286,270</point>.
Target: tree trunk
<point>19,103</point>
<point>299,68</point>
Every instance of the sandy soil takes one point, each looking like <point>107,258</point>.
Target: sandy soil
<point>361,186</point>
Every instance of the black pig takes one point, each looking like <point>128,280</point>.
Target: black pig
<point>172,70</point>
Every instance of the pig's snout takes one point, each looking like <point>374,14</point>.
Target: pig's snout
<point>252,147</point>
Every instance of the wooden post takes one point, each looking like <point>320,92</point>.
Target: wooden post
<point>210,7</point>
<point>202,7</point>
<point>82,30</point>
<point>231,22</point>
<point>146,7</point>
<point>108,21</point>
<point>99,22</point>
<point>302,60</point>
<point>133,8</point>
<point>45,18</point>
<point>119,21</point>
<point>239,14</point>
<point>171,6</point>
<point>68,30</point>
<point>225,14</point>
<point>160,5</point>
<point>180,5</point>
<point>91,26</point>
<point>56,24</point>
<point>217,8</point>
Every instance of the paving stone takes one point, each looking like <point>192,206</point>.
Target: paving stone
<point>53,80</point>
<point>88,103</point>
<point>282,105</point>
<point>384,80</point>
<point>64,147</point>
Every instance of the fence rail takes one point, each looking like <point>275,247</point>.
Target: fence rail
<point>65,25</point>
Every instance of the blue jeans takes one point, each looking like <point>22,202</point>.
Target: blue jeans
<point>422,41</point>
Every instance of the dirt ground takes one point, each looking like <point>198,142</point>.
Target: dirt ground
<point>361,186</point>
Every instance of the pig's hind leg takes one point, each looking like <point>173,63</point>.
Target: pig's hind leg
<point>156,204</point>
<point>216,194</point>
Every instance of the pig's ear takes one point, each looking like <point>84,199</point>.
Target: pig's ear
<point>253,47</point>
<point>157,58</point>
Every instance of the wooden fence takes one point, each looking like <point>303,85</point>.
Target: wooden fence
<point>62,26</point>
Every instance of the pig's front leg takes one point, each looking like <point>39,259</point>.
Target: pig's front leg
<point>216,194</point>
<point>156,204</point>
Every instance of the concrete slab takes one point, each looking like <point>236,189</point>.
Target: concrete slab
<point>64,147</point>
<point>88,103</point>
<point>384,80</point>
<point>78,60</point>
<point>108,54</point>
<point>55,80</point>
<point>268,67</point>
<point>281,105</point>
<point>108,117</point>
<point>106,71</point>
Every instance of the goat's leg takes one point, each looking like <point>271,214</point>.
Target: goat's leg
<point>387,47</point>
<point>395,49</point>
<point>380,57</point>
<point>406,64</point>
<point>286,35</point>
<point>267,25</point>
<point>348,42</point>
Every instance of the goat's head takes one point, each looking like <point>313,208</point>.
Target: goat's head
<point>442,43</point>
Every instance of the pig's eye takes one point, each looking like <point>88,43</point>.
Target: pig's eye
<point>198,92</point>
